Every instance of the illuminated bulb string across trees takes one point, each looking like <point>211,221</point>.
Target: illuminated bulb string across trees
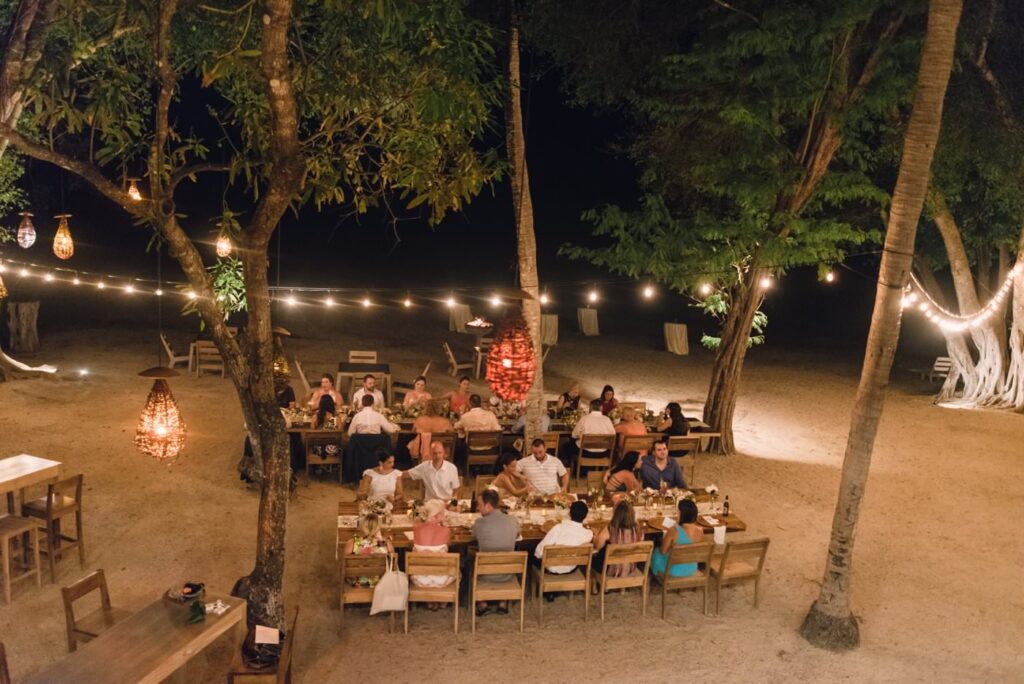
<point>917,297</point>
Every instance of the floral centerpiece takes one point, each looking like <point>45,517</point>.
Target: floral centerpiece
<point>570,419</point>
<point>712,491</point>
<point>380,507</point>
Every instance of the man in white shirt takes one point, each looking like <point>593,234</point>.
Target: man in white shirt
<point>594,423</point>
<point>477,419</point>
<point>369,422</point>
<point>440,477</point>
<point>368,389</point>
<point>546,474</point>
<point>569,532</point>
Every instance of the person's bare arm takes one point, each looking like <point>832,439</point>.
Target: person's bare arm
<point>364,487</point>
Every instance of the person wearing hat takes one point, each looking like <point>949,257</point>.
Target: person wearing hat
<point>431,536</point>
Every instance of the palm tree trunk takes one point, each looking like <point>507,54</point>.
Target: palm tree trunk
<point>522,203</point>
<point>830,623</point>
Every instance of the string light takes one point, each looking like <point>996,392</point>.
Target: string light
<point>450,302</point>
<point>648,292</point>
<point>223,246</point>
<point>495,300</point>
<point>366,302</point>
<point>83,372</point>
<point>592,296</point>
<point>290,300</point>
<point>101,285</point>
<point>946,320</point>
<point>705,289</point>
<point>159,292</point>
<point>544,299</point>
<point>191,295</point>
<point>329,301</point>
<point>830,277</point>
<point>24,273</point>
<point>129,289</point>
<point>76,281</point>
<point>766,282</point>
<point>406,302</point>
<point>3,269</point>
<point>48,277</point>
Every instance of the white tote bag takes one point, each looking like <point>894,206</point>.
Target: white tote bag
<point>392,591</point>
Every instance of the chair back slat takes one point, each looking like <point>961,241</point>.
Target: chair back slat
<point>639,442</point>
<point>691,553</point>
<point>567,555</point>
<point>489,441</point>
<point>88,584</point>
<point>367,356</point>
<point>640,406</point>
<point>687,443</point>
<point>752,551</point>
<point>425,563</point>
<point>639,552</point>
<point>595,479</point>
<point>364,565</point>
<point>500,563</point>
<point>602,442</point>
<point>348,508</point>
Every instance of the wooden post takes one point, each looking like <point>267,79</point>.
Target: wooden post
<point>21,322</point>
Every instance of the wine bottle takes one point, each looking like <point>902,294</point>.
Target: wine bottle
<point>725,506</point>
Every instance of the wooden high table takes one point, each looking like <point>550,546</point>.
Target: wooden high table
<point>147,647</point>
<point>23,470</point>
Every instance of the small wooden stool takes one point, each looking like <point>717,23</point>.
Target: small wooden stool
<point>12,527</point>
<point>282,674</point>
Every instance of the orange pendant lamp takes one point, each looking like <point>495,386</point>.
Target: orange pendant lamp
<point>161,431</point>
<point>63,245</point>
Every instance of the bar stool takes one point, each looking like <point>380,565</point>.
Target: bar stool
<point>62,498</point>
<point>12,527</point>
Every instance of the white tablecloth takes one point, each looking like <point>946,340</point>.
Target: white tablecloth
<point>675,339</point>
<point>458,316</point>
<point>588,321</point>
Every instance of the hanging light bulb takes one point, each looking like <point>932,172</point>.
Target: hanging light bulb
<point>48,277</point>
<point>830,277</point>
<point>648,292</point>
<point>407,302</point>
<point>495,300</point>
<point>450,302</point>
<point>329,301</point>
<point>705,289</point>
<point>2,267</point>
<point>223,246</point>
<point>290,300</point>
<point>161,431</point>
<point>191,295</point>
<point>101,285</point>
<point>129,289</point>
<point>76,281</point>
<point>23,273</point>
<point>158,292</point>
<point>766,282</point>
<point>544,299</point>
<point>366,302</point>
<point>63,245</point>
<point>133,190</point>
<point>26,231</point>
<point>592,296</point>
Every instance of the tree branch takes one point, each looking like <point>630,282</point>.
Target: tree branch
<point>184,172</point>
<point>873,60</point>
<point>168,81</point>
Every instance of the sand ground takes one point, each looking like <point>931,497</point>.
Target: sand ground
<point>939,567</point>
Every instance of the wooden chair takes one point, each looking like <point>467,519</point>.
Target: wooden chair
<point>512,589</point>
<point>640,553</point>
<point>588,448</point>
<point>638,443</point>
<point>240,673</point>
<point>355,356</point>
<point>701,579</point>
<point>307,391</point>
<point>741,562</point>
<point>413,489</point>
<point>639,406</point>
<point>353,567</point>
<point>344,508</point>
<point>319,442</point>
<point>481,483</point>
<point>577,580</point>
<point>939,370</point>
<point>552,442</point>
<point>62,499</point>
<point>423,563</point>
<point>454,366</point>
<point>208,358</point>
<point>5,675</point>
<point>93,624</point>
<point>595,479</point>
<point>691,445</point>
<point>12,528</point>
<point>546,349</point>
<point>482,448</point>
<point>173,358</point>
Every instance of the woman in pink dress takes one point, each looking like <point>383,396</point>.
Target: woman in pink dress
<point>459,398</point>
<point>431,536</point>
<point>419,393</point>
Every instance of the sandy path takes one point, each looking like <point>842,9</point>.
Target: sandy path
<point>938,583</point>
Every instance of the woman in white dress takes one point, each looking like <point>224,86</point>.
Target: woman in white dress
<point>382,482</point>
<point>431,536</point>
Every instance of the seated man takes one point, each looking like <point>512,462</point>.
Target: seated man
<point>494,530</point>
<point>546,474</point>
<point>520,425</point>
<point>369,388</point>
<point>569,532</point>
<point>477,419</point>
<point>594,423</point>
<point>368,421</point>
<point>439,475</point>
<point>658,469</point>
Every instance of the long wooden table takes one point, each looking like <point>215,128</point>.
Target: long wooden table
<point>148,647</point>
<point>24,470</point>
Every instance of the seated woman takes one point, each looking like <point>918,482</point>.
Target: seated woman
<point>621,478</point>
<point>431,536</point>
<point>509,482</point>
<point>673,422</point>
<point>283,392</point>
<point>569,402</point>
<point>459,397</point>
<point>419,393</point>
<point>382,482</point>
<point>686,532</point>
<point>608,400</point>
<point>326,388</point>
<point>427,423</point>
<point>367,540</point>
<point>622,529</point>
<point>325,412</point>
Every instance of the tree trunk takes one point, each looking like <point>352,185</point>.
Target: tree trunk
<point>830,623</point>
<point>962,368</point>
<point>1013,383</point>
<point>744,301</point>
<point>21,326</point>
<point>522,204</point>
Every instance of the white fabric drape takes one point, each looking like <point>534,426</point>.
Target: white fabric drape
<point>588,321</point>
<point>676,340</point>
<point>458,316</point>
<point>549,329</point>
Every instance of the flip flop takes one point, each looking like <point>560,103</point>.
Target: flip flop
<point>480,612</point>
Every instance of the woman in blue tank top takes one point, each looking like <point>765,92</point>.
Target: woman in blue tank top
<point>686,532</point>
